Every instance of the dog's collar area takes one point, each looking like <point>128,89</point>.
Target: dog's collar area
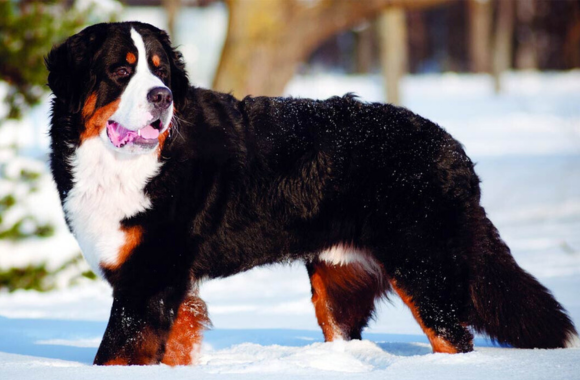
<point>121,136</point>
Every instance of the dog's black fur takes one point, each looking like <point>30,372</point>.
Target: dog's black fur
<point>269,180</point>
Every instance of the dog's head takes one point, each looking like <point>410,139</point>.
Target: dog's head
<point>123,80</point>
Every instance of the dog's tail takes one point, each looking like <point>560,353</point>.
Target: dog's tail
<point>509,304</point>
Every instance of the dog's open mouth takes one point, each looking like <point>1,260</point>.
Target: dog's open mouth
<point>145,137</point>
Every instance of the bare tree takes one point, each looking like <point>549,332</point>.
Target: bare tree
<point>393,37</point>
<point>502,49</point>
<point>526,53</point>
<point>365,47</point>
<point>480,20</point>
<point>266,39</point>
<point>572,41</point>
<point>172,8</point>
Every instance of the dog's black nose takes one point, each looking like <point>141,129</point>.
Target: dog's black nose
<point>161,97</point>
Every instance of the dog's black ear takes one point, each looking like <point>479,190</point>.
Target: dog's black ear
<point>179,80</point>
<point>68,64</point>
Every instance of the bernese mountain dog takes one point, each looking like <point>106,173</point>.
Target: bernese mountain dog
<point>165,185</point>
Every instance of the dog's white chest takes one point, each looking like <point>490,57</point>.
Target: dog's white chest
<point>107,187</point>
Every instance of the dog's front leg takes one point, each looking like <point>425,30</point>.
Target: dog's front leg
<point>138,328</point>
<point>184,342</point>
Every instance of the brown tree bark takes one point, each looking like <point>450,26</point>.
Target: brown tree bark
<point>572,41</point>
<point>267,39</point>
<point>364,49</point>
<point>171,8</point>
<point>480,20</point>
<point>526,51</point>
<point>394,53</point>
<point>502,49</point>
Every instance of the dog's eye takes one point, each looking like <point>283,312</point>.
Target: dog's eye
<point>161,73</point>
<point>123,72</point>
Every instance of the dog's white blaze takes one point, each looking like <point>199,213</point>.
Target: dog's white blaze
<point>134,110</point>
<point>343,254</point>
<point>573,341</point>
<point>107,187</point>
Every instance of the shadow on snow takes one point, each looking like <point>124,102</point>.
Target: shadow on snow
<point>32,337</point>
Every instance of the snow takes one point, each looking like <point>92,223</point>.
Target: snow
<point>526,142</point>
<point>352,360</point>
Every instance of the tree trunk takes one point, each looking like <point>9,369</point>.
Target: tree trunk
<point>572,41</point>
<point>172,8</point>
<point>266,39</point>
<point>502,50</point>
<point>526,54</point>
<point>393,37</point>
<point>480,17</point>
<point>364,49</point>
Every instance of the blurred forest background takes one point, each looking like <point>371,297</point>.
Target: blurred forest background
<point>249,47</point>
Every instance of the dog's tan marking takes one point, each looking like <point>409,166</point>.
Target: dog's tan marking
<point>156,60</point>
<point>89,106</point>
<point>131,58</point>
<point>162,137</point>
<point>96,118</point>
<point>344,296</point>
<point>323,314</point>
<point>133,237</point>
<point>117,361</point>
<point>184,342</point>
<point>438,343</point>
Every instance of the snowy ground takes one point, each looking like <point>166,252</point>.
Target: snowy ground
<point>527,145</point>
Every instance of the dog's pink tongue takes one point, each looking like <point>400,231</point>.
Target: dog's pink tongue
<point>149,132</point>
<point>119,135</point>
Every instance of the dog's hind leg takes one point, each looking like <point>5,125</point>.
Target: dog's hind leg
<point>439,320</point>
<point>344,296</point>
<point>433,281</point>
<point>184,341</point>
